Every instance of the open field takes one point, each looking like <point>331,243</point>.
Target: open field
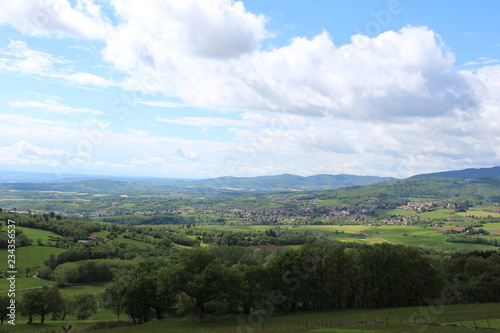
<point>479,213</point>
<point>135,242</point>
<point>23,282</point>
<point>398,234</point>
<point>395,320</point>
<point>36,234</point>
<point>29,256</point>
<point>423,237</point>
<point>338,233</point>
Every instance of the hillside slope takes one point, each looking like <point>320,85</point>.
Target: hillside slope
<point>402,190</point>
<point>466,173</point>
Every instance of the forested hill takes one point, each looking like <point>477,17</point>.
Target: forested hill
<point>292,182</point>
<point>467,173</point>
<point>399,191</point>
<point>157,185</point>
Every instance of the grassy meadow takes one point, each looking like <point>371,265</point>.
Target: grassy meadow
<point>397,320</point>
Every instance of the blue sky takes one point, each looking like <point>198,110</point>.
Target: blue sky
<point>200,89</point>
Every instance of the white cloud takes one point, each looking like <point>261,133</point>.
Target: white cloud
<point>207,54</point>
<point>27,61</point>
<point>55,18</point>
<point>146,161</point>
<point>24,152</point>
<point>56,107</point>
<point>11,119</point>
<point>394,75</point>
<point>86,79</point>
<point>161,104</point>
<point>214,29</point>
<point>139,133</point>
<point>392,102</point>
<point>202,121</point>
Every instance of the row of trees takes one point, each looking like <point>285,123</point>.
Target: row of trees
<point>324,275</point>
<point>44,301</point>
<point>320,276</point>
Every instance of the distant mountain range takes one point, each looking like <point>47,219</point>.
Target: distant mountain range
<point>467,173</point>
<point>78,183</point>
<point>11,180</point>
<point>291,182</point>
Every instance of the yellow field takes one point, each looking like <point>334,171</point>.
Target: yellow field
<point>479,213</point>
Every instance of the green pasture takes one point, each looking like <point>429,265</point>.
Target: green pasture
<point>347,321</point>
<point>336,232</point>
<point>29,256</point>
<point>418,236</point>
<point>138,243</point>
<point>328,202</point>
<point>23,282</point>
<point>391,212</point>
<point>436,214</point>
<point>441,214</point>
<point>91,288</point>
<point>36,234</point>
<point>394,320</point>
<point>491,226</point>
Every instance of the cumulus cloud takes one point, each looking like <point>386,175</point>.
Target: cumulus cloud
<point>214,29</point>
<point>394,75</point>
<point>392,101</point>
<point>207,53</point>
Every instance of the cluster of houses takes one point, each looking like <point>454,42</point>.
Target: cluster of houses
<point>423,206</point>
<point>92,239</point>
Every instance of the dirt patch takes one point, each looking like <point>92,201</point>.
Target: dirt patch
<point>454,228</point>
<point>496,231</point>
<point>270,247</point>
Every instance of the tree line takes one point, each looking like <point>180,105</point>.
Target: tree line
<point>324,275</point>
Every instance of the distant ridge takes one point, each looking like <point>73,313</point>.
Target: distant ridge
<point>293,182</point>
<point>94,184</point>
<point>466,173</point>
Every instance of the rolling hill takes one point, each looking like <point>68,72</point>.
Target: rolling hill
<point>158,185</point>
<point>402,190</point>
<point>466,173</point>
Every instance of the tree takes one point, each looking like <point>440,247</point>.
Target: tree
<point>85,306</point>
<point>67,307</point>
<point>40,301</point>
<point>4,311</point>
<point>110,299</point>
<point>66,273</point>
<point>201,278</point>
<point>140,290</point>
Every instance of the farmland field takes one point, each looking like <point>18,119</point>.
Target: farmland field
<point>479,213</point>
<point>398,234</point>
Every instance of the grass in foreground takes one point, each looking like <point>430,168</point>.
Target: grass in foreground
<point>345,321</point>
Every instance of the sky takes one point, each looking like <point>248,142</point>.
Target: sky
<point>210,88</point>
